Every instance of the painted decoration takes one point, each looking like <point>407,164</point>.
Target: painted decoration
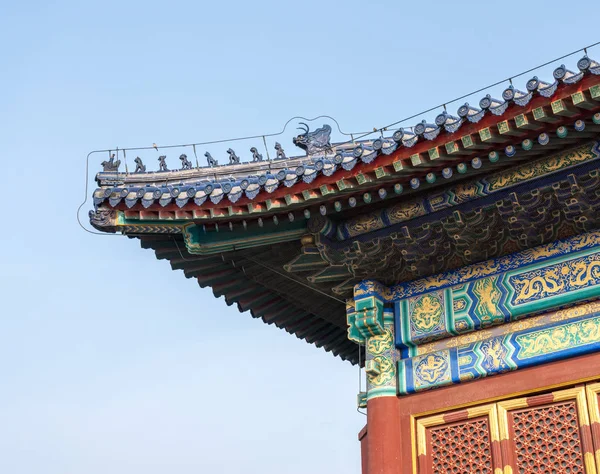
<point>501,353</point>
<point>466,192</point>
<point>381,361</point>
<point>497,299</point>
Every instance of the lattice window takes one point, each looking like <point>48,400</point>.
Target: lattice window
<point>540,434</point>
<point>461,447</point>
<point>547,433</point>
<point>459,442</point>
<point>547,439</point>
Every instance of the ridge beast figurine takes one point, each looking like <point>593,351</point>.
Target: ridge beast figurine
<point>140,167</point>
<point>280,152</point>
<point>111,164</point>
<point>210,159</point>
<point>314,142</point>
<point>233,158</point>
<point>162,163</point>
<point>185,163</point>
<point>256,156</point>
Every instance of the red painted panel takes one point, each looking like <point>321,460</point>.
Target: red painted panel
<point>383,441</point>
<point>364,452</point>
<point>389,440</point>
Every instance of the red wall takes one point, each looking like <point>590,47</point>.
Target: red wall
<point>386,443</point>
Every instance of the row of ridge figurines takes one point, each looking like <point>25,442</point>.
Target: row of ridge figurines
<point>319,140</point>
<point>140,167</point>
<point>189,192</point>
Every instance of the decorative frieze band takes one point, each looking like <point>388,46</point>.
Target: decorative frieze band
<point>485,323</point>
<point>468,273</point>
<point>567,334</point>
<point>497,299</point>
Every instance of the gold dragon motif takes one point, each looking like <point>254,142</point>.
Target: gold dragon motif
<point>379,344</point>
<point>406,211</point>
<point>541,167</point>
<point>431,369</point>
<point>559,338</point>
<point>427,313</point>
<point>538,284</point>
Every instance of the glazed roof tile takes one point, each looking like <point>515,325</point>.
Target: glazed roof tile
<point>229,183</point>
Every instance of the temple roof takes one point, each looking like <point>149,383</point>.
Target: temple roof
<point>289,238</point>
<point>414,152</point>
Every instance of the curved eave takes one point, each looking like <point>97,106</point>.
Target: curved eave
<point>305,312</point>
<point>223,197</point>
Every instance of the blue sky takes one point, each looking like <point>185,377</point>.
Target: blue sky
<point>109,360</point>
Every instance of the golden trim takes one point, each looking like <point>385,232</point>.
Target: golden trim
<point>590,463</point>
<point>433,420</point>
<point>592,392</point>
<point>514,404</point>
<point>480,411</point>
<point>421,440</point>
<point>494,429</point>
<point>582,409</point>
<point>413,442</point>
<point>568,394</point>
<point>503,422</point>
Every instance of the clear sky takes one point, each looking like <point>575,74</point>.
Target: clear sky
<point>110,362</point>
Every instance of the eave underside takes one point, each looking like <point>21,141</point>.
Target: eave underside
<point>255,281</point>
<point>313,307</point>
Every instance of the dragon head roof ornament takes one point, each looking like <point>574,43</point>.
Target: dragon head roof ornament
<point>314,142</point>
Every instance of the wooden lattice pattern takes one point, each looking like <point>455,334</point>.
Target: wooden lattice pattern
<point>548,437</point>
<point>461,447</point>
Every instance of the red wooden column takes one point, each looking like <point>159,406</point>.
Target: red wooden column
<point>372,324</point>
<point>383,454</point>
<point>364,452</point>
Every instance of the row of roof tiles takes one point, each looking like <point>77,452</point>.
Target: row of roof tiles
<point>341,157</point>
<point>199,192</point>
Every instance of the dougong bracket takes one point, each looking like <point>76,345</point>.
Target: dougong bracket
<point>365,316</point>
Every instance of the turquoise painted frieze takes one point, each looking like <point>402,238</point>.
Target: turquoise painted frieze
<point>516,350</point>
<point>424,318</point>
<point>497,299</point>
<point>531,322</point>
<point>430,369</point>
<point>573,275</point>
<point>200,242</point>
